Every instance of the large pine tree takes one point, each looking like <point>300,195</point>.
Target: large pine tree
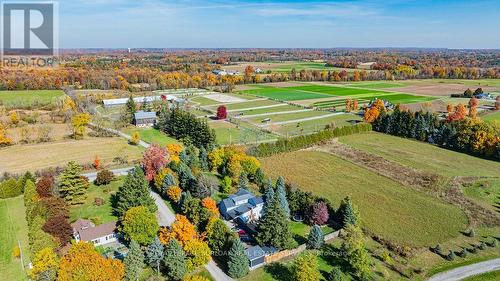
<point>134,192</point>
<point>175,261</point>
<point>237,263</point>
<point>273,228</point>
<point>72,185</point>
<point>347,212</point>
<point>134,262</point>
<point>281,195</point>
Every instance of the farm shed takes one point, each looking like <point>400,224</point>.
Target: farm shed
<point>144,119</point>
<point>123,101</point>
<point>257,255</point>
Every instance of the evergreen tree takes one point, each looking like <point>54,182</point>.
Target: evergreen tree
<point>218,237</point>
<point>355,252</point>
<point>168,181</point>
<point>203,159</point>
<point>316,238</point>
<point>281,195</point>
<point>134,262</point>
<point>130,110</point>
<point>27,176</point>
<point>238,262</point>
<point>335,275</point>
<point>72,185</point>
<point>186,178</point>
<point>175,261</point>
<point>260,179</point>
<point>268,196</point>
<point>154,254</point>
<point>243,181</point>
<point>348,214</point>
<point>273,228</point>
<point>134,192</point>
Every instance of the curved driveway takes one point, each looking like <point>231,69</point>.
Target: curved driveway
<point>467,271</point>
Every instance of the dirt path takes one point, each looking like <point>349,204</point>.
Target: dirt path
<point>432,184</point>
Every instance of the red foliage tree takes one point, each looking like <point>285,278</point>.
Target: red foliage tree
<point>319,213</point>
<point>59,227</point>
<point>45,186</point>
<point>221,112</point>
<point>155,158</point>
<point>55,206</point>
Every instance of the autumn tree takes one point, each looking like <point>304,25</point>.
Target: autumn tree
<point>104,177</point>
<point>140,225</point>
<point>45,186</point>
<point>174,260</point>
<point>83,262</point>
<point>459,113</point>
<point>72,186</point>
<point>305,268</point>
<point>318,213</point>
<point>155,254</point>
<point>134,262</point>
<point>154,159</point>
<point>134,192</point>
<point>197,253</point>
<point>497,107</point>
<point>79,122</point>
<point>221,112</point>
<point>4,140</point>
<point>135,139</point>
<point>181,230</point>
<point>59,227</point>
<point>174,193</point>
<point>45,265</point>
<point>473,103</point>
<point>237,262</point>
<point>371,114</point>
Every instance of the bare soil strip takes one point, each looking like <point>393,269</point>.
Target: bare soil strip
<point>433,184</point>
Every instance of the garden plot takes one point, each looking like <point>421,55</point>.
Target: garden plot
<point>247,104</point>
<point>290,116</point>
<point>311,126</point>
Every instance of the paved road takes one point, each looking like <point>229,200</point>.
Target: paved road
<point>467,271</point>
<point>165,216</point>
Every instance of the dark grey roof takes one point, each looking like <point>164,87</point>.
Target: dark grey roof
<point>256,200</point>
<point>242,194</point>
<point>144,115</point>
<point>254,253</point>
<point>228,203</point>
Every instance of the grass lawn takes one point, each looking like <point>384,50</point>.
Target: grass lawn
<point>98,214</point>
<point>494,116</point>
<point>248,104</point>
<point>494,275</point>
<point>151,135</point>
<point>387,208</point>
<point>203,101</point>
<point>289,116</point>
<point>228,133</point>
<point>376,85</point>
<point>21,158</point>
<point>286,94</point>
<point>422,156</point>
<point>301,231</point>
<point>14,229</point>
<point>310,126</point>
<point>268,110</point>
<point>29,99</point>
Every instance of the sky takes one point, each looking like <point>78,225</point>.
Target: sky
<point>278,24</point>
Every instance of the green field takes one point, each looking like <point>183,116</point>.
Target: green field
<point>387,208</point>
<point>29,99</point>
<point>283,108</point>
<point>14,229</point>
<point>249,104</point>
<point>376,85</point>
<point>495,116</point>
<point>490,276</point>
<point>228,133</point>
<point>151,135</point>
<point>322,91</point>
<point>298,66</point>
<point>289,116</point>
<point>423,156</point>
<point>98,214</point>
<point>307,127</point>
<point>203,101</point>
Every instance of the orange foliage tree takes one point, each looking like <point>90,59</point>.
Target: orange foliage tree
<point>371,114</point>
<point>182,230</point>
<point>210,205</point>
<point>83,262</point>
<point>97,163</point>
<point>459,113</point>
<point>473,102</point>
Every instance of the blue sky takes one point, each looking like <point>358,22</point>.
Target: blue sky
<point>276,24</point>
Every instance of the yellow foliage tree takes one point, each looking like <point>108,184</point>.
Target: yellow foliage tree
<point>196,278</point>
<point>174,150</point>
<point>14,118</point>
<point>136,138</point>
<point>83,262</point>
<point>45,260</point>
<point>158,179</point>
<point>16,252</point>
<point>79,122</point>
<point>197,252</point>
<point>174,193</point>
<point>4,140</point>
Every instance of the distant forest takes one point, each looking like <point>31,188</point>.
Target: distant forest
<point>153,69</point>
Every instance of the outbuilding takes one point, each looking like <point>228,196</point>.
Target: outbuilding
<point>145,119</point>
